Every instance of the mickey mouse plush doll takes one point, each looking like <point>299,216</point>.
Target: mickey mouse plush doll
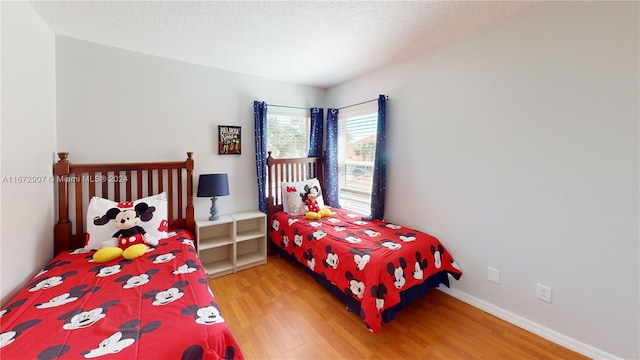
<point>131,238</point>
<point>313,209</point>
<point>309,198</point>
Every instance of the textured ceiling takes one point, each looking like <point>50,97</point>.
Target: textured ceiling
<point>318,43</point>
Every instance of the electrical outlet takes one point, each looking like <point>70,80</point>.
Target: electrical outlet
<point>494,275</point>
<point>543,293</point>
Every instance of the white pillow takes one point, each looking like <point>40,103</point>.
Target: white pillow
<point>292,201</point>
<point>156,226</point>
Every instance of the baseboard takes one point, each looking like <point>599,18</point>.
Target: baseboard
<point>551,335</point>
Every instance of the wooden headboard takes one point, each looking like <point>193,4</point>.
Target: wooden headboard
<point>78,183</point>
<point>290,170</point>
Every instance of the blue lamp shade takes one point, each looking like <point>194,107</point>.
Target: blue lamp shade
<point>213,185</point>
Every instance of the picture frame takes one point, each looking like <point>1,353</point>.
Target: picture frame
<point>229,140</point>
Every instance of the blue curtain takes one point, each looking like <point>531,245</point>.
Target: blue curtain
<point>331,162</point>
<point>380,164</point>
<point>260,121</point>
<point>316,138</point>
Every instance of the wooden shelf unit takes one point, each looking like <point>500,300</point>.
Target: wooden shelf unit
<point>232,243</point>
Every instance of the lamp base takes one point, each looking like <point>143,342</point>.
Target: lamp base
<point>214,209</point>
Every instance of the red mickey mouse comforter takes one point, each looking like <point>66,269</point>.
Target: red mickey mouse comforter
<point>371,261</point>
<point>157,306</point>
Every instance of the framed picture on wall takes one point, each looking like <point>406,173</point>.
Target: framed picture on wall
<point>229,140</point>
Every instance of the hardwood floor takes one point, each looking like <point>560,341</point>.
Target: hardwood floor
<point>277,311</point>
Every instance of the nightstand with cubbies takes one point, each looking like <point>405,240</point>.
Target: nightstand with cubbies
<point>215,245</point>
<point>232,243</point>
<point>251,239</point>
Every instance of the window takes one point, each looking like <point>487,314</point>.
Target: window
<point>288,132</point>
<point>356,153</point>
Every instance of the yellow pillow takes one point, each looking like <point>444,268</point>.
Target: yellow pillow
<point>107,254</point>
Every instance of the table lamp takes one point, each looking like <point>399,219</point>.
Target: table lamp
<point>213,185</point>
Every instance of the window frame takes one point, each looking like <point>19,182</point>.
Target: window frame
<point>352,197</point>
<point>281,116</point>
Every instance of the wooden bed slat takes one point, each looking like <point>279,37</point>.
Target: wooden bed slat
<point>160,180</point>
<point>70,236</point>
<point>180,214</point>
<point>78,195</point>
<point>128,186</point>
<point>105,186</point>
<point>149,183</point>
<point>139,183</point>
<point>116,187</point>
<point>92,188</point>
<point>170,190</point>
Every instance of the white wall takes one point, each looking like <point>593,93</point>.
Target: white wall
<point>28,144</point>
<point>518,147</point>
<point>116,105</point>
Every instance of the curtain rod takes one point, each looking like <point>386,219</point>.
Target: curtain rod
<point>344,107</point>
<point>361,103</point>
<point>289,107</point>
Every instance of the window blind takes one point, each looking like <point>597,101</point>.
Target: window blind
<point>288,133</point>
<point>356,152</point>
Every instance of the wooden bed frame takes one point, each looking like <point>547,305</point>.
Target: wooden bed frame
<point>299,169</point>
<point>78,183</point>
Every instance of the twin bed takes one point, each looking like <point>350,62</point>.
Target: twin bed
<point>156,306</point>
<point>374,267</point>
<point>159,305</point>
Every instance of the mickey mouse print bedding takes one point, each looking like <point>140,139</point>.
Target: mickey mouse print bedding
<point>158,305</point>
<point>371,262</point>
